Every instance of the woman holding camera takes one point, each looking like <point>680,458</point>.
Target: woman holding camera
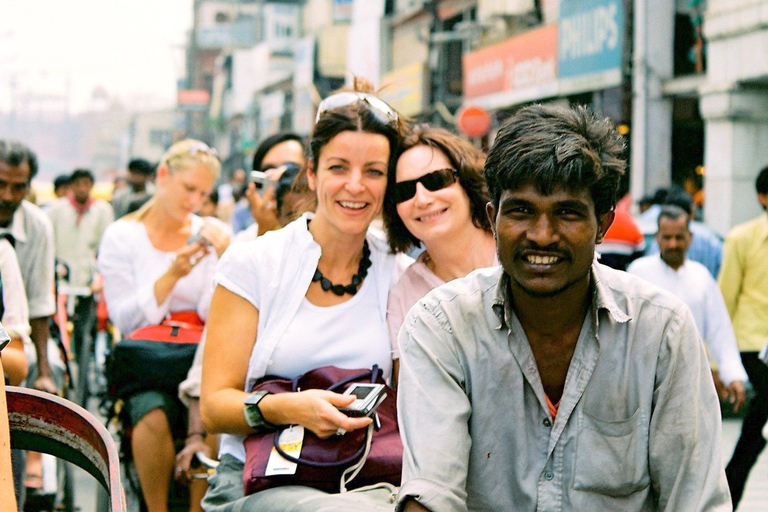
<point>438,200</point>
<point>156,262</point>
<point>309,295</point>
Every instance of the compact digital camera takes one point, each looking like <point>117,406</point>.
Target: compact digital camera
<point>367,398</point>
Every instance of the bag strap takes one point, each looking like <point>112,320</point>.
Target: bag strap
<point>313,463</point>
<point>373,375</point>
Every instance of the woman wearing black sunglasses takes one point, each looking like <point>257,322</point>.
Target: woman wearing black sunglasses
<point>438,200</point>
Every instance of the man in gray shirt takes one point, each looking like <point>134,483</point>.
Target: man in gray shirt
<point>554,382</point>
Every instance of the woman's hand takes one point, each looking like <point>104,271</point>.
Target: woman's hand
<point>215,235</point>
<point>314,409</point>
<point>186,259</point>
<point>263,209</point>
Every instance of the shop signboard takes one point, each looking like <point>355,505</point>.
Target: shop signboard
<point>193,99</point>
<point>520,69</point>
<point>406,89</point>
<point>240,33</point>
<point>591,45</point>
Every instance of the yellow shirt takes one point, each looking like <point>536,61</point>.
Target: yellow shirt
<point>744,282</point>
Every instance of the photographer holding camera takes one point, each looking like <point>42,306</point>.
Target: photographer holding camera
<point>276,154</point>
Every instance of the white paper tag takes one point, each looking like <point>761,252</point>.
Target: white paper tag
<point>291,440</point>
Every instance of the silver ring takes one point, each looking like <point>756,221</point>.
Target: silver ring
<point>340,431</point>
<point>193,261</point>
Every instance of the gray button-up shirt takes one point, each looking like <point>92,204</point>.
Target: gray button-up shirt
<point>638,426</point>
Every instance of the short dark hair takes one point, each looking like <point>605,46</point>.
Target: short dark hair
<point>270,142</point>
<point>15,153</point>
<point>81,173</point>
<point>464,158</point>
<point>680,198</point>
<point>62,180</point>
<point>214,196</point>
<point>761,183</point>
<point>673,212</point>
<point>141,166</point>
<point>553,147</point>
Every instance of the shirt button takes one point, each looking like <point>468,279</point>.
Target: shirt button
<point>547,423</point>
<point>549,475</point>
<point>270,363</point>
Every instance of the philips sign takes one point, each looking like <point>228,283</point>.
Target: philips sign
<point>591,44</point>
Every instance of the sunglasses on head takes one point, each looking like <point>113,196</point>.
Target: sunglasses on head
<point>195,149</point>
<point>432,181</point>
<point>344,99</point>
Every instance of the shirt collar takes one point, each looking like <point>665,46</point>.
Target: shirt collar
<point>602,297</point>
<point>16,227</point>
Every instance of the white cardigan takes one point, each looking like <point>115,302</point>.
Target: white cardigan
<point>273,273</point>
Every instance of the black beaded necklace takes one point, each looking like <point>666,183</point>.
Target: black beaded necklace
<point>340,289</point>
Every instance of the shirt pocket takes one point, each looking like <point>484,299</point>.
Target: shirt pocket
<point>611,455</point>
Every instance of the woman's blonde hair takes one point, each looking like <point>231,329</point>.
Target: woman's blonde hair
<point>183,155</point>
<point>190,152</point>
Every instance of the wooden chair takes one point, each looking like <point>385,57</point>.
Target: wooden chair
<point>46,423</point>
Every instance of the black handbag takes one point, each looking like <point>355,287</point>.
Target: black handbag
<point>156,357</point>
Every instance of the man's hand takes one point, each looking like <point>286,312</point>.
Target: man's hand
<point>263,209</point>
<point>736,395</point>
<point>40,332</point>
<point>194,443</point>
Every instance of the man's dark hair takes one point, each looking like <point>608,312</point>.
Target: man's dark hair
<point>680,198</point>
<point>14,153</point>
<point>553,147</point>
<point>269,143</point>
<point>214,196</point>
<point>659,196</point>
<point>61,180</point>
<point>141,166</point>
<point>761,183</point>
<point>673,212</point>
<point>464,158</point>
<point>81,173</point>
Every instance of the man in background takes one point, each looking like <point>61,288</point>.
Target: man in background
<point>78,223</point>
<point>28,230</point>
<point>140,186</point>
<point>744,283</point>
<point>691,281</point>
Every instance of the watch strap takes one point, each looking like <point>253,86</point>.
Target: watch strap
<point>253,416</point>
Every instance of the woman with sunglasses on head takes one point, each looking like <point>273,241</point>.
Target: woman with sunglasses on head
<point>438,200</point>
<point>157,262</point>
<point>309,295</point>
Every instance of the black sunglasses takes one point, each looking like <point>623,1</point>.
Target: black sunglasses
<point>432,181</point>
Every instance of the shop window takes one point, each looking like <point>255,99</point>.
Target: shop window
<point>690,46</point>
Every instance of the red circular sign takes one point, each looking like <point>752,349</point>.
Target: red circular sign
<point>473,121</point>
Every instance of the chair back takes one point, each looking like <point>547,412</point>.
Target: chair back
<point>47,423</point>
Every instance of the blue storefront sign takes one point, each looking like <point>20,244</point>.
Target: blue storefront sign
<point>591,44</point>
